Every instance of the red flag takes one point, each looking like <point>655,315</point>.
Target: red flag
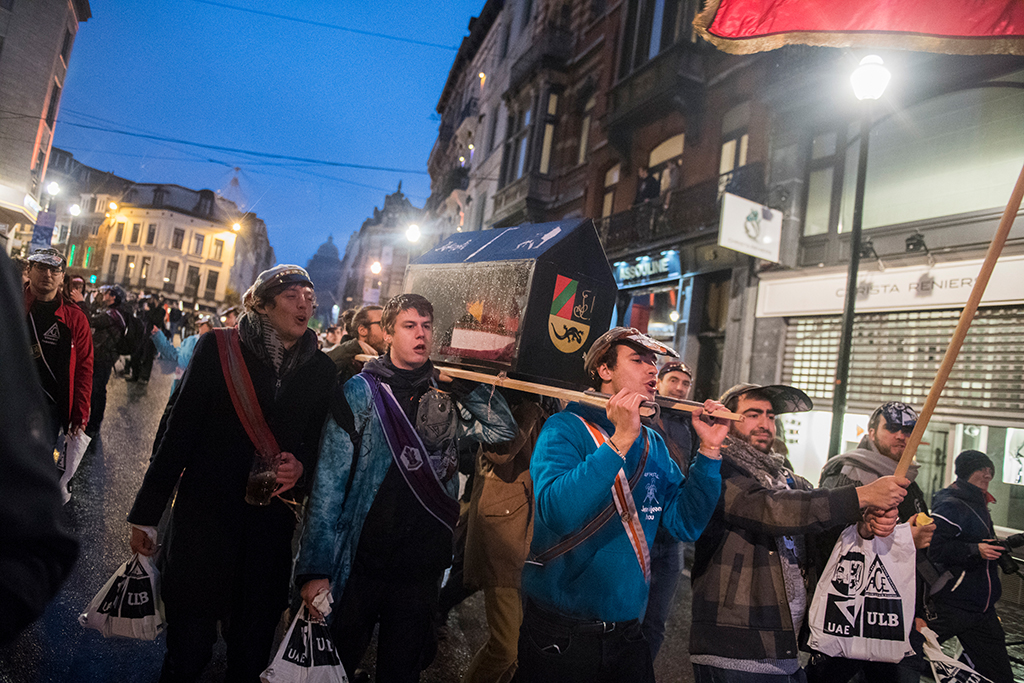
<point>967,27</point>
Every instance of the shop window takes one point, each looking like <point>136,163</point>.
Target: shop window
<point>654,311</point>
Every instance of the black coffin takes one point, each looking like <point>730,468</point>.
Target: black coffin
<point>528,300</point>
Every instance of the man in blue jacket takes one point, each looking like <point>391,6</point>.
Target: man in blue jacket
<point>378,533</point>
<point>964,545</point>
<point>581,618</point>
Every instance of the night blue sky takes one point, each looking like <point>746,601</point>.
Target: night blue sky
<point>198,71</point>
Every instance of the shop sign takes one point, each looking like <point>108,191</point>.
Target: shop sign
<point>943,285</point>
<point>644,269</point>
<point>750,228</point>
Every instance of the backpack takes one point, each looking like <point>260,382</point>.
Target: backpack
<point>131,339</point>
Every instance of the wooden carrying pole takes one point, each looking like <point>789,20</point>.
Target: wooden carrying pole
<point>994,249</point>
<point>591,398</point>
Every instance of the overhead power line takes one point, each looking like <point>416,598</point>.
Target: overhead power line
<point>372,34</point>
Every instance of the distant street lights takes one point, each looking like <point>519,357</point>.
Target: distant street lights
<point>869,81</point>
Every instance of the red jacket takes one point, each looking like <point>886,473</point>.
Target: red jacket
<point>80,386</point>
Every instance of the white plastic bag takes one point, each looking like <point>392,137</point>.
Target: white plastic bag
<point>129,603</point>
<point>863,606</point>
<point>306,655</point>
<point>68,454</point>
<point>946,669</point>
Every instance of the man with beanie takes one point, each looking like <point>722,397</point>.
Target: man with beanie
<point>603,484</point>
<point>965,606</point>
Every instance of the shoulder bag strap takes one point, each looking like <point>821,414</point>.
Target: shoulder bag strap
<point>243,394</point>
<point>602,518</point>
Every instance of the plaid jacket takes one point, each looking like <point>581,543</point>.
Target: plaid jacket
<point>740,608</point>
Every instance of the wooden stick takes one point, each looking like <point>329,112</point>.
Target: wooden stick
<point>591,398</point>
<point>966,316</point>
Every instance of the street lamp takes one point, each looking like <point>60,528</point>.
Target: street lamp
<point>236,227</point>
<point>375,268</point>
<point>413,233</point>
<point>75,210</point>
<point>869,80</point>
<point>52,189</point>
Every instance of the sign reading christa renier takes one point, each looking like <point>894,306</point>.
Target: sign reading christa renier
<point>750,228</point>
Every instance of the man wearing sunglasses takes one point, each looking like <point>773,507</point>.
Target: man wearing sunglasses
<point>877,454</point>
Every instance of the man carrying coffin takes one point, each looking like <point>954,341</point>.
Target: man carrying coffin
<point>378,534</point>
<point>603,484</point>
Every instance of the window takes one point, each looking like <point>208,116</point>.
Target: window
<point>51,111</point>
<point>549,134</point>
<point>158,196</point>
<point>211,284</point>
<point>611,178</point>
<point>652,26</point>
<point>65,49</point>
<point>218,250</point>
<point>71,256</point>
<point>112,268</point>
<point>129,269</point>
<point>92,205</point>
<point>95,229</point>
<point>88,257</point>
<point>197,245</point>
<point>192,281</point>
<point>170,276</point>
<point>518,145</point>
<point>62,234</point>
<point>481,209</point>
<point>734,143</point>
<point>178,239</point>
<point>119,233</point>
<point>492,129</point>
<point>585,129</point>
<point>136,232</point>
<point>151,234</point>
<point>505,35</point>
<point>147,262</point>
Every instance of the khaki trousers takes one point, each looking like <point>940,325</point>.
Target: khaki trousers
<point>496,660</point>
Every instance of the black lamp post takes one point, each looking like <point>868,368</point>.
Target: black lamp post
<point>869,81</point>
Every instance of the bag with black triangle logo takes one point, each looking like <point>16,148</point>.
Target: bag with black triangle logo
<point>863,606</point>
<point>306,655</point>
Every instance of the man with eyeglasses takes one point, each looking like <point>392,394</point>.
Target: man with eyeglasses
<point>675,380</point>
<point>61,342</point>
<point>369,339</point>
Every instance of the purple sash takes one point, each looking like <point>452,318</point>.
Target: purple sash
<point>410,455</point>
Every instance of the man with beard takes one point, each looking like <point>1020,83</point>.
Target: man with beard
<point>369,340</point>
<point>751,573</point>
<point>877,455</point>
<point>378,533</point>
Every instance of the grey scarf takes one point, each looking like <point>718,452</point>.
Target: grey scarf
<point>768,468</point>
<point>260,337</point>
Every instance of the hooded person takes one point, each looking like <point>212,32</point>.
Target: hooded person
<point>964,544</point>
<point>224,558</point>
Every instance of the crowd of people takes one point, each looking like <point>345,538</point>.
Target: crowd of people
<point>575,523</point>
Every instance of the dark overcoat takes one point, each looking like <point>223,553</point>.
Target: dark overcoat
<point>216,540</point>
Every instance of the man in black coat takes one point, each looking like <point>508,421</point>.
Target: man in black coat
<point>226,560</point>
<point>108,327</point>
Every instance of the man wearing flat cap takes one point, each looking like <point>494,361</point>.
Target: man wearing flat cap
<point>226,559</point>
<point>61,342</point>
<point>750,576</point>
<point>603,484</point>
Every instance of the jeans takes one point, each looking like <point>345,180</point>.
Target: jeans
<point>405,611</point>
<point>702,673</point>
<point>981,634</point>
<point>557,649</point>
<point>666,564</point>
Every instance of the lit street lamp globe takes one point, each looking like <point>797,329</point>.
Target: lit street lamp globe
<point>870,78</point>
<point>375,268</point>
<point>52,189</point>
<point>75,209</point>
<point>413,233</point>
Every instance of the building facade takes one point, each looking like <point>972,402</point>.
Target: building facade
<point>36,38</point>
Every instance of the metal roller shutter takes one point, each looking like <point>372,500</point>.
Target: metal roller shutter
<point>896,355</point>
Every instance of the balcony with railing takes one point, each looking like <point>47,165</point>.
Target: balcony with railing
<point>520,200</point>
<point>551,50</point>
<point>691,210</point>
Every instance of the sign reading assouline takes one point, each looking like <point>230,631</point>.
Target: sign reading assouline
<point>944,285</point>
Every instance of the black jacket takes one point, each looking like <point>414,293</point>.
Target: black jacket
<point>108,326</point>
<point>216,538</point>
<point>961,522</point>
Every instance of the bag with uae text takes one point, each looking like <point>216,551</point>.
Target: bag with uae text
<point>306,655</point>
<point>863,606</point>
<point>129,603</point>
